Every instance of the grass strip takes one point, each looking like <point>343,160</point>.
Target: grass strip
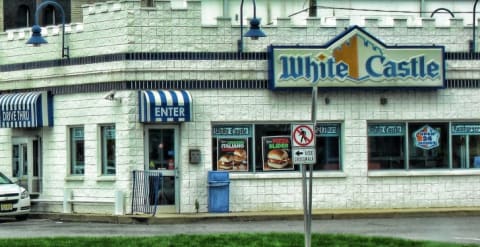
<point>227,240</point>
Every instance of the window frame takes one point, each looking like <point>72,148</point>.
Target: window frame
<point>255,145</point>
<point>104,150</point>
<point>408,144</point>
<point>72,168</point>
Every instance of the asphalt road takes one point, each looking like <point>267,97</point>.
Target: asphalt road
<point>444,229</point>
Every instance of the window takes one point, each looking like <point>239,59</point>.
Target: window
<point>77,151</point>
<point>267,147</point>
<point>328,146</point>
<point>147,3</point>
<point>108,149</point>
<point>23,17</point>
<point>386,146</point>
<point>466,145</point>
<point>428,145</point>
<point>423,145</point>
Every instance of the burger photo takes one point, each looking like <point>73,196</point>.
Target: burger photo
<point>277,158</point>
<point>239,156</point>
<point>225,162</point>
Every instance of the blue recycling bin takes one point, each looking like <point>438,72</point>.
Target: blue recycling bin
<point>218,192</point>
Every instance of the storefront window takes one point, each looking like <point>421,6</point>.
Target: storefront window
<point>386,144</point>
<point>267,147</point>
<point>429,146</point>
<point>466,145</point>
<point>108,149</point>
<point>77,151</point>
<point>328,146</point>
<point>232,147</point>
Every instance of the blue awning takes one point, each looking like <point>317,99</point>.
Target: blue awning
<point>165,106</point>
<point>26,110</point>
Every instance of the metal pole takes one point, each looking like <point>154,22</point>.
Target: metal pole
<point>310,206</point>
<point>307,191</point>
<point>59,7</point>
<point>474,43</point>
<point>305,205</point>
<point>312,8</point>
<point>240,42</point>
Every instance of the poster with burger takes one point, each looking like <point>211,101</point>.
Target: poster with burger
<point>276,153</point>
<point>232,155</point>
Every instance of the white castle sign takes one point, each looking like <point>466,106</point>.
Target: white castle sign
<point>356,59</point>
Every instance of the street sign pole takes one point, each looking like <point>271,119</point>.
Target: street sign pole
<point>307,201</point>
<point>305,205</point>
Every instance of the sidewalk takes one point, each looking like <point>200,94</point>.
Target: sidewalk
<point>258,216</point>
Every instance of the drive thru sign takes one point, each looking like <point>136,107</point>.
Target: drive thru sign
<point>303,144</point>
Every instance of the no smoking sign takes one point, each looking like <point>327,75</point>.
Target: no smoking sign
<point>303,135</point>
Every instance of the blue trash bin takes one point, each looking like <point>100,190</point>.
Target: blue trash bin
<point>218,192</point>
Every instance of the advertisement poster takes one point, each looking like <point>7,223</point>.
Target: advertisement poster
<point>427,138</point>
<point>232,155</point>
<point>276,153</point>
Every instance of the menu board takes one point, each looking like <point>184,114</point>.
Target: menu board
<point>232,154</point>
<point>276,152</point>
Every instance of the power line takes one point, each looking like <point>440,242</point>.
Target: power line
<point>372,10</point>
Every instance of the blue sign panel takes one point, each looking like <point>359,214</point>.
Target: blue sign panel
<point>466,129</point>
<point>386,129</point>
<point>26,110</point>
<point>232,131</point>
<point>165,106</point>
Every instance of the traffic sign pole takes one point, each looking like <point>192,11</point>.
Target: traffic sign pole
<point>307,201</point>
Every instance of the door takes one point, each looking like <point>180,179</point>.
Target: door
<point>26,163</point>
<point>161,154</point>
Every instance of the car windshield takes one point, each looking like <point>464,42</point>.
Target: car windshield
<point>4,179</point>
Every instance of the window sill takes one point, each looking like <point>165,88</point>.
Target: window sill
<point>106,178</point>
<point>425,173</point>
<point>285,175</point>
<point>74,178</point>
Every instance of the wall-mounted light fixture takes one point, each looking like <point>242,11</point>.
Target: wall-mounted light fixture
<point>327,100</point>
<point>37,39</point>
<point>254,32</point>
<point>111,96</point>
<point>383,101</point>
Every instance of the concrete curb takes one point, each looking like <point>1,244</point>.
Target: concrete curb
<point>256,216</point>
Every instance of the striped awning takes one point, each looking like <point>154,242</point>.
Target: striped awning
<point>26,110</point>
<point>165,106</point>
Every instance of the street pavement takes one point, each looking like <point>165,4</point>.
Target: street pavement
<point>458,229</point>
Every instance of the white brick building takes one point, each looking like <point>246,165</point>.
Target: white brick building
<point>123,53</point>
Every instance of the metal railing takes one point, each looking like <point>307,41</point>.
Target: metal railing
<point>147,186</point>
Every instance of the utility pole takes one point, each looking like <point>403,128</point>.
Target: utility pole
<point>312,8</point>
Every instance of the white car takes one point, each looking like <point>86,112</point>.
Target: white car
<point>14,199</point>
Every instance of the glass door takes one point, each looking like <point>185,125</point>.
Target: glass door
<point>26,165</point>
<point>161,155</point>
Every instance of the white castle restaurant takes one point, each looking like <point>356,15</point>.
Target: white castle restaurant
<point>397,118</point>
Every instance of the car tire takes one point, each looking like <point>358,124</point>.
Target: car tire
<point>21,217</point>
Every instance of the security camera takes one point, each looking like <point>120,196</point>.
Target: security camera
<point>110,95</point>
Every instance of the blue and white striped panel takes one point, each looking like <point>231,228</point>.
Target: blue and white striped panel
<point>25,110</point>
<point>165,106</point>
